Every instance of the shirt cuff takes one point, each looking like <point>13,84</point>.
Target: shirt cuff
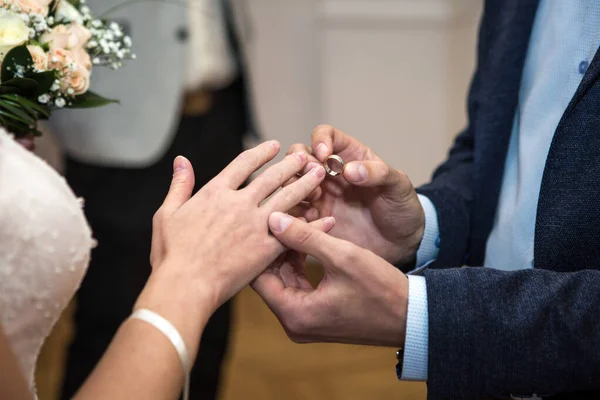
<point>430,244</point>
<point>416,345</point>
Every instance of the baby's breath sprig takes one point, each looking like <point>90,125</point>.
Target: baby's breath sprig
<point>109,46</point>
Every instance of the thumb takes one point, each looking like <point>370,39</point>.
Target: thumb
<point>182,184</point>
<point>299,236</point>
<point>376,173</point>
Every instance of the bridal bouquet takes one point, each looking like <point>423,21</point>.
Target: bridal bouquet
<point>47,51</point>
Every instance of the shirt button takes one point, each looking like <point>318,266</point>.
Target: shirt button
<point>583,66</point>
<point>182,34</point>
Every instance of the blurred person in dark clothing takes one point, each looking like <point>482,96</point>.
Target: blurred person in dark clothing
<point>185,95</point>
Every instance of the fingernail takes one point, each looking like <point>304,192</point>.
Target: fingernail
<point>301,156</point>
<point>329,223</point>
<point>322,151</point>
<point>179,164</point>
<point>274,144</point>
<point>280,222</point>
<point>318,171</point>
<point>356,172</point>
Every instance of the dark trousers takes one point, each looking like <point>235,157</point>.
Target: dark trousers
<point>119,204</point>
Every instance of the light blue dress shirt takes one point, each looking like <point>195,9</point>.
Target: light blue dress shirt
<point>565,38</point>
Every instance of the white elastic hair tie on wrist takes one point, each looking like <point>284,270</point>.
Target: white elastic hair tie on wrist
<point>173,335</point>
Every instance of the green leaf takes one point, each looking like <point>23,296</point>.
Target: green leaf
<point>17,111</point>
<point>13,126</point>
<point>31,106</point>
<point>90,100</point>
<point>9,114</point>
<point>45,80</point>
<point>17,56</point>
<point>22,85</point>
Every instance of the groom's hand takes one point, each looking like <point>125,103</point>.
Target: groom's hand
<point>375,205</point>
<point>362,299</point>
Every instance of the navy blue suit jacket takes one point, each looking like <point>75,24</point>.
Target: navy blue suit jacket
<point>493,333</point>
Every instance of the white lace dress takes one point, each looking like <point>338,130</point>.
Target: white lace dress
<point>45,245</point>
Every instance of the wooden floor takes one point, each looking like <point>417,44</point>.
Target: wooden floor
<point>265,365</point>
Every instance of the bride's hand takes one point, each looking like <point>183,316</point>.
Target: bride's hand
<point>26,141</point>
<point>205,248</point>
<point>218,240</point>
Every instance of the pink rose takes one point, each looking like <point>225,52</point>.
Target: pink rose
<point>82,58</point>
<point>80,32</point>
<point>34,6</point>
<point>80,80</point>
<point>67,37</point>
<point>40,58</point>
<point>60,59</point>
<point>59,38</point>
<point>72,75</point>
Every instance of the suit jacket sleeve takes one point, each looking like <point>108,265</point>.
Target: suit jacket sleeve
<point>519,332</point>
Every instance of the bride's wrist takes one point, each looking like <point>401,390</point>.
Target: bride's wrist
<point>185,302</point>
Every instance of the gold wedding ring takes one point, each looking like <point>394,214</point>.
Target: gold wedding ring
<point>331,171</point>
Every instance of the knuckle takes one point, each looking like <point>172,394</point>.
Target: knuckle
<point>292,159</point>
<point>388,174</point>
<point>322,128</point>
<point>209,190</point>
<point>157,217</point>
<point>179,178</point>
<point>303,236</point>
<point>347,254</point>
<point>296,147</point>
<point>290,181</point>
<point>286,196</point>
<point>281,174</point>
<point>248,158</point>
<point>401,175</point>
<point>296,326</point>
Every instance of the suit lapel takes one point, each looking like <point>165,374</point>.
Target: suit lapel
<point>567,235</point>
<point>499,98</point>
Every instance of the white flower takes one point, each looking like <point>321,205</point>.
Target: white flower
<point>60,102</point>
<point>13,31</point>
<point>65,11</point>
<point>45,98</point>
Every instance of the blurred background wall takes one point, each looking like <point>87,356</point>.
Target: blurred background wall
<point>393,73</point>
